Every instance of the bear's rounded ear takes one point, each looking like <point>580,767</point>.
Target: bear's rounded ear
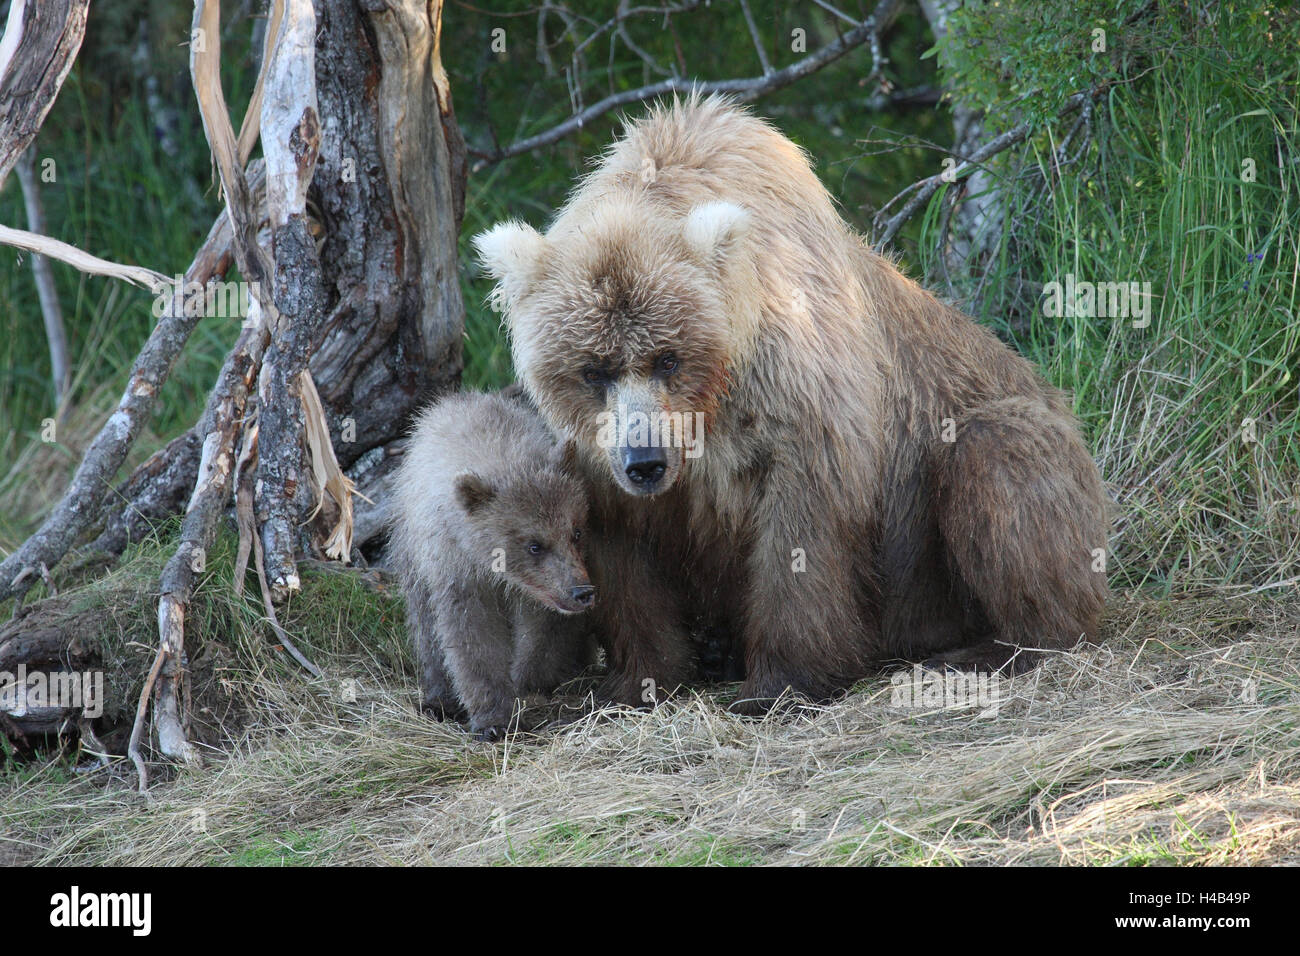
<point>715,230</point>
<point>472,491</point>
<point>511,252</point>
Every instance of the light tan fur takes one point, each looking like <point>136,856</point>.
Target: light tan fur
<point>827,519</point>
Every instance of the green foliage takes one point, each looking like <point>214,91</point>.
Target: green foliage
<point>1188,182</point>
<point>1021,59</point>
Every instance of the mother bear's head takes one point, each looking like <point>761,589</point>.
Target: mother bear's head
<point>627,324</point>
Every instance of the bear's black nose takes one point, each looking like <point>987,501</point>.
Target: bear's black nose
<point>644,466</point>
<point>584,594</point>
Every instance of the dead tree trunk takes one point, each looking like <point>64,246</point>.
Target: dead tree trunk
<point>41,41</point>
<point>357,315</point>
<point>387,200</point>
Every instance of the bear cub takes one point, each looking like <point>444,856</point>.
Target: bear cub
<point>486,530</point>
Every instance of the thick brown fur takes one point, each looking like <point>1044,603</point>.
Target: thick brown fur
<point>702,267</point>
<point>481,487</point>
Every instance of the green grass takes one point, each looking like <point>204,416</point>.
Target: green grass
<point>282,849</point>
<point>1158,197</point>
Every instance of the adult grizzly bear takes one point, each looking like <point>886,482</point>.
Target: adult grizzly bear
<point>880,477</point>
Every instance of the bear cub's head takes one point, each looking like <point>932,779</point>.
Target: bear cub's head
<point>529,528</point>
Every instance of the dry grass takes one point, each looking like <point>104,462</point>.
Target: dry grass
<point>1143,750</point>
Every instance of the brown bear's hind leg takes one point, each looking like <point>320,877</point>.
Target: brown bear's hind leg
<point>1022,514</point>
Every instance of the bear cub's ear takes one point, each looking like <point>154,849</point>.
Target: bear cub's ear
<point>511,252</point>
<point>715,230</point>
<point>473,492</point>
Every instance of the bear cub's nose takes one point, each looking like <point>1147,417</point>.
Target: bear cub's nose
<point>584,594</point>
<point>644,466</point>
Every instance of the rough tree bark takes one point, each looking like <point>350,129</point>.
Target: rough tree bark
<point>388,196</point>
<point>48,33</point>
<point>359,290</point>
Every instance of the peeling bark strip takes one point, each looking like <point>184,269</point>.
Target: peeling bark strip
<point>205,71</point>
<point>40,43</point>
<point>291,144</point>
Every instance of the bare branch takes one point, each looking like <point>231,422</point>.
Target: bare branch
<point>839,13</point>
<point>82,261</point>
<point>923,189</point>
<point>744,90</point>
<point>643,54</point>
<point>763,61</point>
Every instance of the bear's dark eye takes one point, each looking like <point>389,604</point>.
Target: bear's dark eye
<point>535,547</point>
<point>667,364</point>
<point>594,376</point>
<point>577,533</point>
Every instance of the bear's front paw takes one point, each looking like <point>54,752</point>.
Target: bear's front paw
<point>491,723</point>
